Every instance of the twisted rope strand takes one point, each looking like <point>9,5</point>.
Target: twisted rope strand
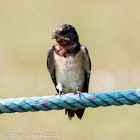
<point>70,101</point>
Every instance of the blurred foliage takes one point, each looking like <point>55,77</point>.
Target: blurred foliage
<point>109,29</point>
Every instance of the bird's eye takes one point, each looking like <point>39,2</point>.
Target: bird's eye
<point>64,32</point>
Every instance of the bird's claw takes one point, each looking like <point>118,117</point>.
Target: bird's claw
<point>79,94</point>
<point>60,93</point>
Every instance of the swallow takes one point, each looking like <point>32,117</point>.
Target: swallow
<point>69,64</point>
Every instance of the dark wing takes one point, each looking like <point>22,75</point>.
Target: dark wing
<point>51,65</point>
<point>87,67</point>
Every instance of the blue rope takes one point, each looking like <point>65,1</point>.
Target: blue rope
<point>70,101</point>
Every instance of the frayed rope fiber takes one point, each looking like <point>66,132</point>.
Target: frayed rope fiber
<point>70,101</point>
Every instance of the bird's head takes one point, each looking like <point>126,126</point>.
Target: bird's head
<point>65,35</point>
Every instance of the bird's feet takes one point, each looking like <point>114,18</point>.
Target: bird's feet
<point>60,87</point>
<point>78,92</point>
<point>60,93</point>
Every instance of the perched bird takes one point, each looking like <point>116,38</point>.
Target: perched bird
<point>69,65</point>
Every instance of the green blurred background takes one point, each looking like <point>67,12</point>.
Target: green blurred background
<point>111,31</point>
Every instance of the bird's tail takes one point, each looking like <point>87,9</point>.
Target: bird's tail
<point>71,113</point>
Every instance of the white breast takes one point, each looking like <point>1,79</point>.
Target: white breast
<point>70,72</point>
